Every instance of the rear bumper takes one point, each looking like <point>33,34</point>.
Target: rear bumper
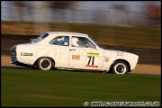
<point>16,62</point>
<point>20,64</point>
<point>13,59</point>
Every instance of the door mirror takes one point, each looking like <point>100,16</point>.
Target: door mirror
<point>87,46</point>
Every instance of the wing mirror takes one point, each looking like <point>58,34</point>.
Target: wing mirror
<point>91,47</point>
<point>86,46</point>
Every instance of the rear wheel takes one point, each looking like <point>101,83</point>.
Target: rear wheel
<point>120,67</point>
<point>45,64</point>
<point>34,67</point>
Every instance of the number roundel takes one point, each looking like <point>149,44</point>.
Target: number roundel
<point>91,62</point>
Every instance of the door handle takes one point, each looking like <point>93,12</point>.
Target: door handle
<point>71,49</point>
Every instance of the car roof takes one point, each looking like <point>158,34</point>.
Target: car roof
<point>68,33</point>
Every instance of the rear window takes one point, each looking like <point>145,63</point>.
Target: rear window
<point>41,37</point>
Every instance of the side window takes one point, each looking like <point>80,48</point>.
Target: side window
<point>82,42</point>
<point>60,40</point>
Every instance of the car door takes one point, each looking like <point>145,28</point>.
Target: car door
<point>60,48</point>
<point>83,54</point>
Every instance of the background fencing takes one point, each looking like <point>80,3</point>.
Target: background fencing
<point>108,22</point>
<point>104,12</point>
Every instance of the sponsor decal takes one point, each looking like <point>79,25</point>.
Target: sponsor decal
<point>120,54</point>
<point>76,57</point>
<point>93,53</point>
<point>26,54</point>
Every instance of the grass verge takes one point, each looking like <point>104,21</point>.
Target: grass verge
<point>20,87</point>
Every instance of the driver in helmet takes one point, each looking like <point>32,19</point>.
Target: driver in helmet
<point>75,42</point>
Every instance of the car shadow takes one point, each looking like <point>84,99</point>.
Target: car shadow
<point>66,70</point>
<point>16,67</point>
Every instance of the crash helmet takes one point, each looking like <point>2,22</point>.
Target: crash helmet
<point>75,41</point>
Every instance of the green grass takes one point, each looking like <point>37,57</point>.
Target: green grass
<point>69,88</point>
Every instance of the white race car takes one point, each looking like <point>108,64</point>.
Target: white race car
<point>71,50</point>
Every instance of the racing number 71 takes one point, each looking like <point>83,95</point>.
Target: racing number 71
<point>91,58</point>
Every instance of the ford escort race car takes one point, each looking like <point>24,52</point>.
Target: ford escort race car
<point>71,50</point>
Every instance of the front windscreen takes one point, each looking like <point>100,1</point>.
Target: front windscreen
<point>95,42</point>
<point>40,38</point>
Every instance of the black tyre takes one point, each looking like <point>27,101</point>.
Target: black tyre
<point>34,67</point>
<point>45,64</point>
<point>120,67</point>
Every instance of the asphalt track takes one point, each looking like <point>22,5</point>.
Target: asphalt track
<point>27,68</point>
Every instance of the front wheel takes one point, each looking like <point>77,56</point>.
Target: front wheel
<point>45,64</point>
<point>120,67</point>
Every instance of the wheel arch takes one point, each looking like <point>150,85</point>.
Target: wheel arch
<point>35,63</point>
<point>122,61</point>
